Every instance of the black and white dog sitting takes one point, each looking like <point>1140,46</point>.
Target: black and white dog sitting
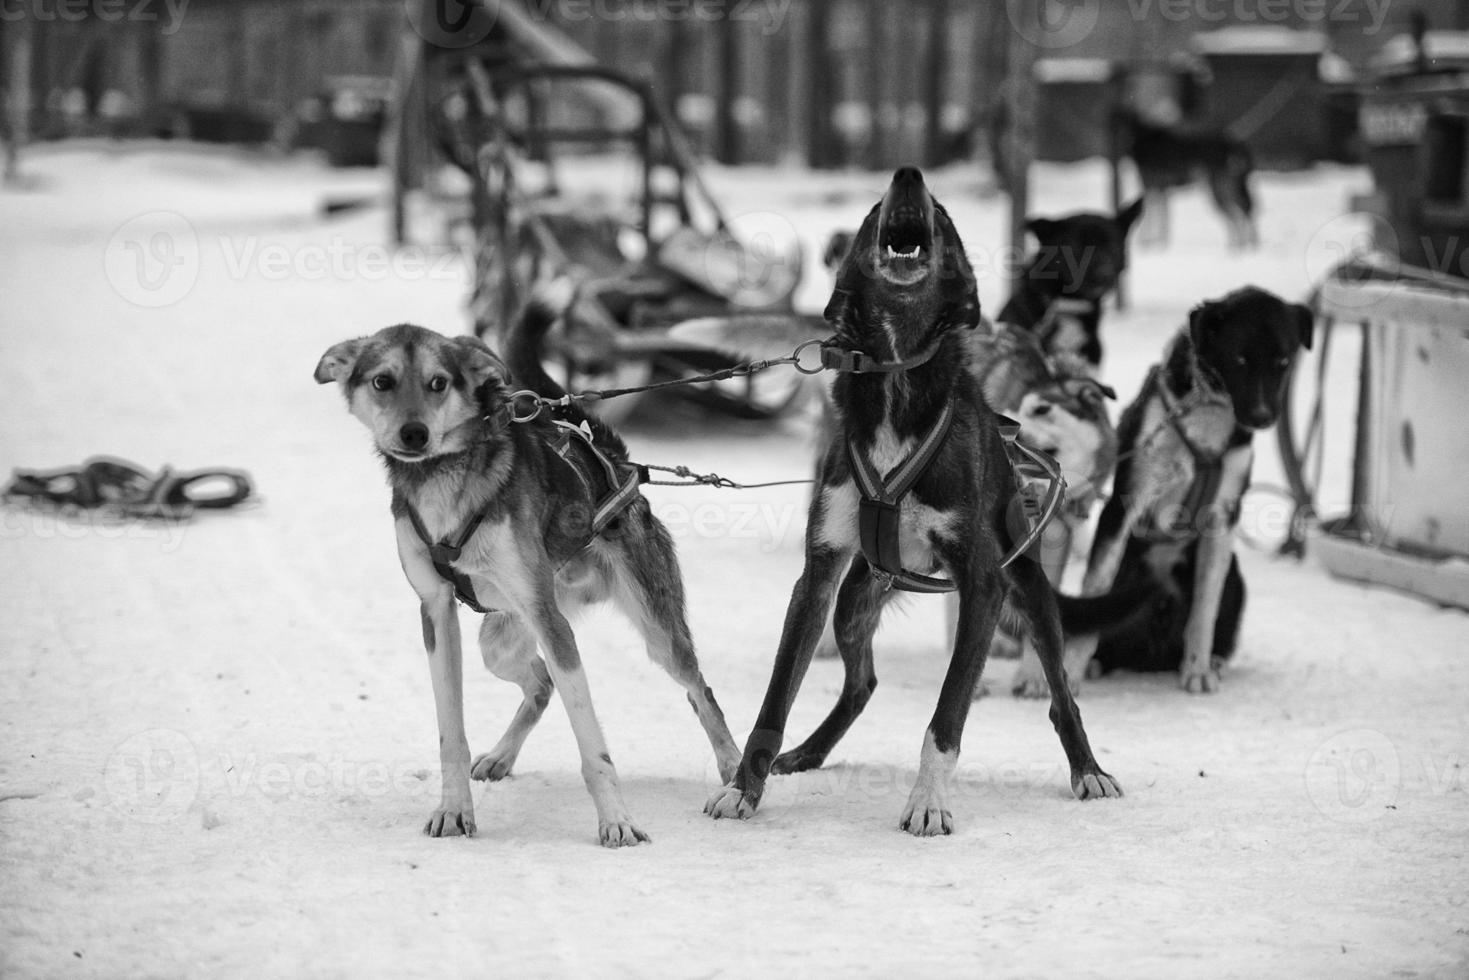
<point>1185,454</point>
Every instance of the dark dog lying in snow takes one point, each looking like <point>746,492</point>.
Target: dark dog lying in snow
<point>523,521</point>
<point>909,417</point>
<point>1184,465</point>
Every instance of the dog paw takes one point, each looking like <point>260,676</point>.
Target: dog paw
<point>796,760</point>
<point>1026,685</point>
<point>926,816</point>
<point>448,822</point>
<point>620,833</point>
<point>730,802</point>
<point>491,767</point>
<point>1094,785</point>
<point>1199,681</point>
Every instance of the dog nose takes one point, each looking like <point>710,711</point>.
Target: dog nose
<point>414,436</point>
<point>907,175</point>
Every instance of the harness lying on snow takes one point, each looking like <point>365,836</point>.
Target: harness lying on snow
<point>880,510</point>
<point>1208,468</point>
<point>624,486</point>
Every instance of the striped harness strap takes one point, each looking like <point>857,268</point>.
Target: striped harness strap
<point>624,486</point>
<point>880,511</point>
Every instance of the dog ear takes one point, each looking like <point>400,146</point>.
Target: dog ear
<point>479,363</point>
<point>1129,215</point>
<point>1306,319</point>
<point>337,363</point>
<point>1042,228</point>
<point>1201,321</point>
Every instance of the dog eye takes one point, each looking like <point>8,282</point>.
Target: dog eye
<point>1240,361</point>
<point>438,383</point>
<point>1041,409</point>
<point>382,382</point>
<point>1283,363</point>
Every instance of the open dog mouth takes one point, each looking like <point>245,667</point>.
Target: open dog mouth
<point>905,238</point>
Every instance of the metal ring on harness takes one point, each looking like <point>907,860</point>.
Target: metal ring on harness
<point>818,367</point>
<point>536,401</point>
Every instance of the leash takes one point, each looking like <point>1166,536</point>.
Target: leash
<point>526,405</point>
<point>879,515</point>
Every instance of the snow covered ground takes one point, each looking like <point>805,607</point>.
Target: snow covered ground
<point>217,741</point>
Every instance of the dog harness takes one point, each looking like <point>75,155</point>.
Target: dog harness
<point>879,514</point>
<point>1062,306</point>
<point>623,489</point>
<point>1208,468</point>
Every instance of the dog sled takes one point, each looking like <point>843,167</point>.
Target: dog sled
<point>576,172</point>
<point>1401,521</point>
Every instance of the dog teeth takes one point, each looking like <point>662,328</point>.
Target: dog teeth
<point>911,254</point>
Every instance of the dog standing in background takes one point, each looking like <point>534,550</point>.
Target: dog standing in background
<point>1170,157</point>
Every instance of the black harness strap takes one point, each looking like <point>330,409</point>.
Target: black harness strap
<point>445,553</point>
<point>1208,469</point>
<point>880,510</point>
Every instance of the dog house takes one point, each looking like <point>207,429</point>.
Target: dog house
<point>1266,90</point>
<point>1073,104</point>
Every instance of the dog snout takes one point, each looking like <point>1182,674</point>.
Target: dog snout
<point>908,175</point>
<point>414,436</point>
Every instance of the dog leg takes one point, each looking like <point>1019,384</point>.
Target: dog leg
<point>803,623</point>
<point>927,812</point>
<point>1108,547</point>
<point>654,601</point>
<point>1037,602</point>
<point>1197,674</point>
<point>614,826</point>
<point>509,652</point>
<point>858,609</point>
<point>455,814</point>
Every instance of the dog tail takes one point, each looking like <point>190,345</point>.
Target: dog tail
<point>525,341</point>
<point>1093,614</point>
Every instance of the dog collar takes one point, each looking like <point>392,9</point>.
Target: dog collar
<point>844,361</point>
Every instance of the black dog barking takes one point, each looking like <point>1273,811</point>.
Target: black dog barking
<point>903,299</point>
